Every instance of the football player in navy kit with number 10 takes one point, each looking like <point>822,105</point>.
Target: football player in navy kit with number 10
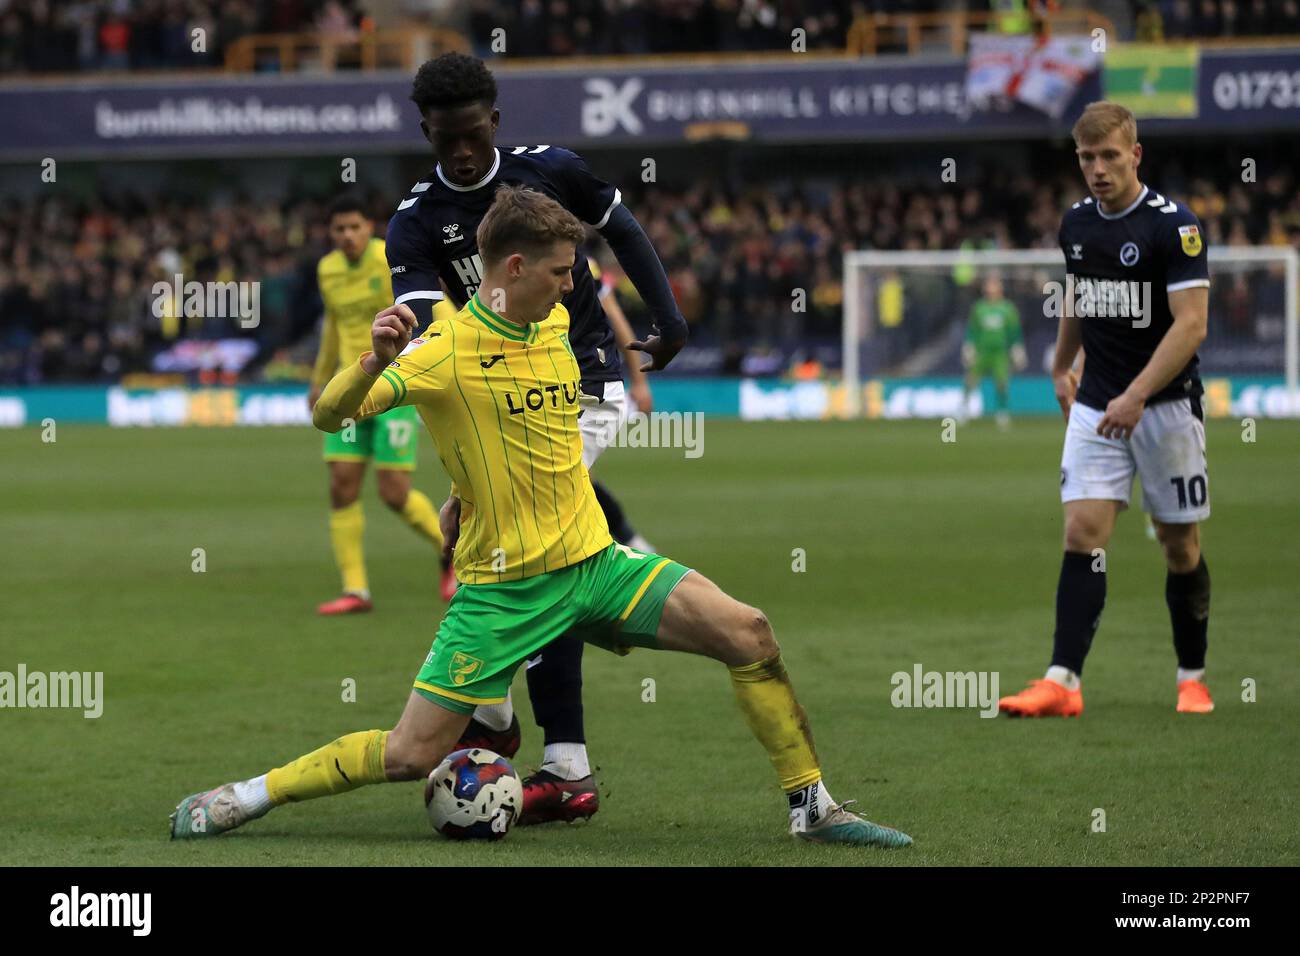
<point>1137,303</point>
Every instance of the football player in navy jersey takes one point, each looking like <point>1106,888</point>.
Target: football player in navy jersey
<point>432,253</point>
<point>1137,303</point>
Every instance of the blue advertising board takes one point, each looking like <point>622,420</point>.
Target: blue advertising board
<point>824,100</point>
<point>751,399</point>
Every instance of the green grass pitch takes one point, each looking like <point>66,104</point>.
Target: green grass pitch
<point>917,551</point>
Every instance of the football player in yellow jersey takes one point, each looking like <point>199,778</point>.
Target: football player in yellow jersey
<point>497,387</point>
<point>354,285</point>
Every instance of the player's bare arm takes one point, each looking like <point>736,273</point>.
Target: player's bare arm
<point>1068,342</point>
<point>1190,308</point>
<point>638,385</point>
<point>449,524</point>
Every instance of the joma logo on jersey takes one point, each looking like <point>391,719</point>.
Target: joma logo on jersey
<point>536,398</point>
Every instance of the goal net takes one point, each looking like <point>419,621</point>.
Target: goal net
<point>906,313</point>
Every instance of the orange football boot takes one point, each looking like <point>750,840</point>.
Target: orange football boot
<point>347,604</point>
<point>1194,698</point>
<point>1043,698</point>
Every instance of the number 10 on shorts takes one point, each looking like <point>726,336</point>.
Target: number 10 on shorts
<point>1193,489</point>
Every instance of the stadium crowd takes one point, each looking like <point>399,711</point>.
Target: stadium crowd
<point>77,278</point>
<point>43,36</point>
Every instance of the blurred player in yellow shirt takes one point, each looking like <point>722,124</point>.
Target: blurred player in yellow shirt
<point>354,285</point>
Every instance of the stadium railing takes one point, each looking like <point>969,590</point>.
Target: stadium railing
<point>373,50</point>
<point>869,35</point>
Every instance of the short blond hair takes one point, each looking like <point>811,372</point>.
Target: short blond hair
<point>525,220</point>
<point>1102,118</point>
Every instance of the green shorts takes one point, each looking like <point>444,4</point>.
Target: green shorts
<point>391,439</point>
<point>996,365</point>
<point>613,599</point>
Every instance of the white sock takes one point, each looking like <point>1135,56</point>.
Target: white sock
<point>496,716</point>
<point>1063,676</point>
<point>816,795</point>
<point>364,594</point>
<point>566,761</point>
<point>253,796</point>
<point>1191,675</point>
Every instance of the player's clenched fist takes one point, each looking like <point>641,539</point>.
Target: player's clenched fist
<point>392,332</point>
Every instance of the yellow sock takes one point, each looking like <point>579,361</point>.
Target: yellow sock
<point>347,528</point>
<point>767,700</point>
<point>342,765</point>
<point>421,515</point>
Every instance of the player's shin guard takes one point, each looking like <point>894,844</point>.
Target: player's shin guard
<point>347,528</point>
<point>342,765</point>
<point>767,700</point>
<point>422,516</point>
<point>1188,597</point>
<point>555,689</point>
<point>1080,597</point>
<point>619,527</point>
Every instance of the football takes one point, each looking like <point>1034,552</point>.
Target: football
<point>473,795</point>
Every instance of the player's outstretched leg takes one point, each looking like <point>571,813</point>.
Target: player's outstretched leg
<point>700,618</point>
<point>1080,597</point>
<point>1187,593</point>
<point>425,734</point>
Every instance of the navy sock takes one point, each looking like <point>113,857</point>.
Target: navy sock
<point>1188,597</point>
<point>614,517</point>
<point>555,688</point>
<point>1080,596</point>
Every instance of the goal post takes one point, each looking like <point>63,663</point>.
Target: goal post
<point>1254,318</point>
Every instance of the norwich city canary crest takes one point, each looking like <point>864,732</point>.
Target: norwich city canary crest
<point>1191,239</point>
<point>463,668</point>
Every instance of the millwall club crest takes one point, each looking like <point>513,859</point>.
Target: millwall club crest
<point>1190,237</point>
<point>1128,254</point>
<point>463,668</point>
<point>453,234</point>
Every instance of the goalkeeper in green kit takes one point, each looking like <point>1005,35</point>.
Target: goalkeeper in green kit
<point>993,343</point>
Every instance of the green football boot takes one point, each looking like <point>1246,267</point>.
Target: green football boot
<point>842,826</point>
<point>208,814</point>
